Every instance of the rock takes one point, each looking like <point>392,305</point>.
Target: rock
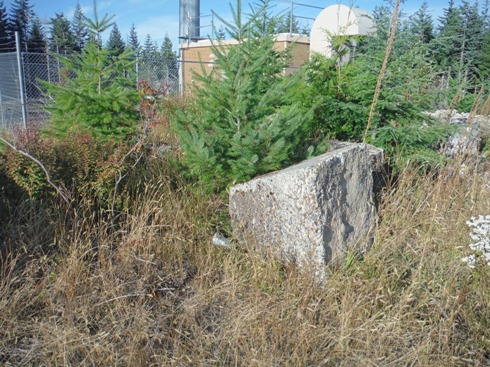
<point>466,140</point>
<point>221,241</point>
<point>313,212</point>
<point>379,166</point>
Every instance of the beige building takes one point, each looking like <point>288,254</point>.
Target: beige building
<point>194,55</point>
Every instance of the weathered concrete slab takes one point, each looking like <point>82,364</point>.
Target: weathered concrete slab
<point>313,212</point>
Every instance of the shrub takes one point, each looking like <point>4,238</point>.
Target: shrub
<point>81,163</point>
<point>242,124</point>
<point>341,95</point>
<point>97,95</point>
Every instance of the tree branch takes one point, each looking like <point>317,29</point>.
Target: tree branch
<point>64,195</point>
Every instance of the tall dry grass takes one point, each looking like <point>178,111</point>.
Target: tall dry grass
<point>79,287</point>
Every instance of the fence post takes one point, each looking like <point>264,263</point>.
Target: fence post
<point>21,79</point>
<point>137,70</point>
<point>1,113</point>
<point>181,71</point>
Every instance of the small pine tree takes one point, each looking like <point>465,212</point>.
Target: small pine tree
<point>220,33</point>
<point>62,39</point>
<point>284,24</point>
<point>170,59</point>
<point>242,123</point>
<point>473,25</point>
<point>115,44</point>
<point>483,61</point>
<point>133,42</point>
<point>449,41</point>
<point>21,14</point>
<point>36,41</point>
<point>167,50</point>
<point>149,48</point>
<point>79,27</point>
<point>98,96</point>
<point>422,25</point>
<point>5,35</point>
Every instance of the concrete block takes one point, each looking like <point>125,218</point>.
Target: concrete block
<point>313,212</point>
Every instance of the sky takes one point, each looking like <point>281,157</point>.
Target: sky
<point>160,17</point>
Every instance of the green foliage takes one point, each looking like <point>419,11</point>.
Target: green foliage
<point>97,96</point>
<point>79,162</point>
<point>115,44</point>
<point>341,93</point>
<point>36,41</point>
<point>171,69</point>
<point>242,123</point>
<point>79,28</point>
<point>133,42</point>
<point>150,49</point>
<point>62,39</point>
<point>97,26</point>
<point>4,26</point>
<point>167,51</point>
<point>422,25</point>
<point>20,16</point>
<point>483,60</point>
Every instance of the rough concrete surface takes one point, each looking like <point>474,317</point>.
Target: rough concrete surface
<point>313,212</point>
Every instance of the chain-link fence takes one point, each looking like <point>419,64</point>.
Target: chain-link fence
<point>161,74</point>
<point>10,93</point>
<point>21,91</point>
<point>23,99</point>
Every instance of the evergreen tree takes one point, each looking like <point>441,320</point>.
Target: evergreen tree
<point>20,17</point>
<point>115,44</point>
<point>150,65</point>
<point>284,26</point>
<point>220,33</point>
<point>448,44</point>
<point>98,97</point>
<point>166,50</point>
<point>98,26</point>
<point>265,21</point>
<point>422,25</point>
<point>149,48</point>
<point>485,14</point>
<point>473,25</point>
<point>5,37</point>
<point>243,123</point>
<point>133,43</point>
<point>341,93</point>
<point>62,39</point>
<point>37,39</point>
<point>170,60</point>
<point>79,28</point>
<point>483,61</point>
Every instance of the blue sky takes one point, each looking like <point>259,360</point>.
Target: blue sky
<point>158,17</point>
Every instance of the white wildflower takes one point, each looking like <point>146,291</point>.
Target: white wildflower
<point>480,237</point>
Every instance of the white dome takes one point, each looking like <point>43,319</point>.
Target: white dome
<point>338,20</point>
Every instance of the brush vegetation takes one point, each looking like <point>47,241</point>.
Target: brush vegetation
<point>123,272</point>
<point>80,286</point>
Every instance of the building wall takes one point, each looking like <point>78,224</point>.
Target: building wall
<point>197,55</point>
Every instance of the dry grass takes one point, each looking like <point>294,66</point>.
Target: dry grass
<point>150,289</point>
